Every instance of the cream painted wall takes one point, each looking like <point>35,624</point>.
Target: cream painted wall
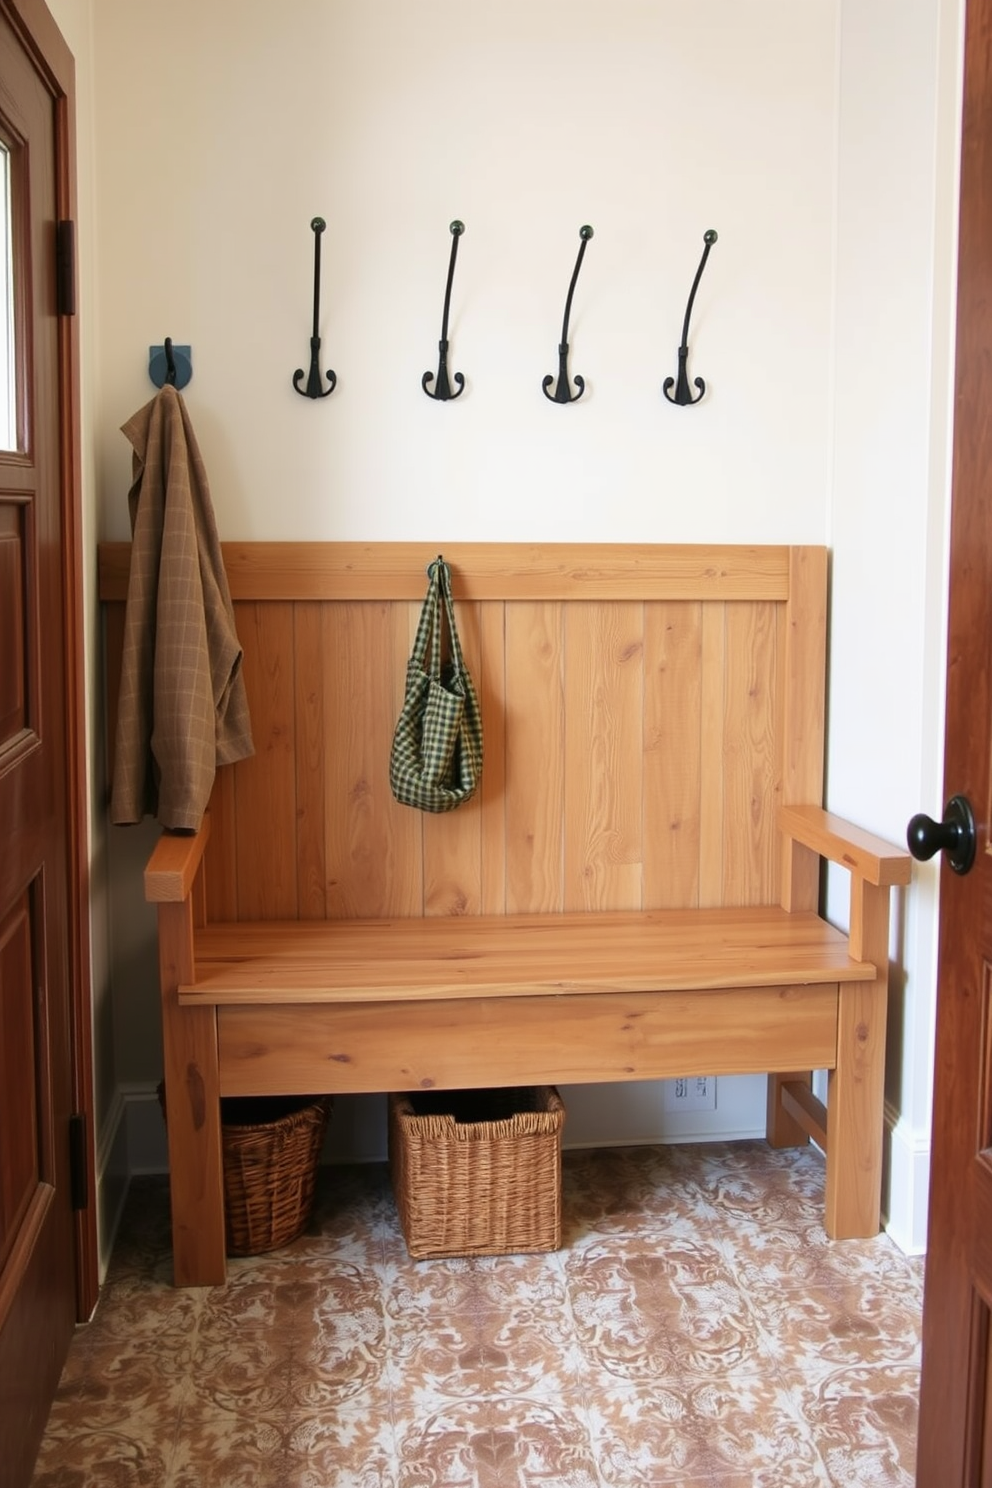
<point>899,108</point>
<point>820,327</point>
<point>218,142</point>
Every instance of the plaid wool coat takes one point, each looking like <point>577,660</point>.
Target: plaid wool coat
<point>182,708</point>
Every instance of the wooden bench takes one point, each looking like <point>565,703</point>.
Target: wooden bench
<point>632,895</point>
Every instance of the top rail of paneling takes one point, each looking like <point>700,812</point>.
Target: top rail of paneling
<point>480,571</point>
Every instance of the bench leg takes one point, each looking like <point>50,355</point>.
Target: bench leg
<point>856,1092</point>
<point>192,1093</point>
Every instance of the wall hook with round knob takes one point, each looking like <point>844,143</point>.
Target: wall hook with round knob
<point>314,387</point>
<point>442,387</point>
<point>683,396</point>
<point>562,392</point>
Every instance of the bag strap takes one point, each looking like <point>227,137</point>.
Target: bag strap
<point>427,628</point>
<point>437,606</point>
<point>457,661</point>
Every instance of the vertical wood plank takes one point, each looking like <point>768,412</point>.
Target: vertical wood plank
<point>711,776</point>
<point>373,844</point>
<point>220,863</point>
<point>492,806</point>
<point>535,782</point>
<point>311,754</point>
<point>751,861</point>
<point>266,784</point>
<point>604,712</point>
<point>803,703</point>
<point>452,839</point>
<point>672,726</point>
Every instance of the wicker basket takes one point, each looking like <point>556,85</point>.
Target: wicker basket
<point>271,1148</point>
<point>477,1172</point>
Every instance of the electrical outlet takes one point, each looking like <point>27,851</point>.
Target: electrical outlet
<point>691,1093</point>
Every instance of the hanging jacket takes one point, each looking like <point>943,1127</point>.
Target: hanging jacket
<point>182,708</point>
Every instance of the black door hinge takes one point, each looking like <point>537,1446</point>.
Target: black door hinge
<point>65,267</point>
<point>78,1174</point>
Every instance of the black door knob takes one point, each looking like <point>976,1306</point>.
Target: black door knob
<point>955,835</point>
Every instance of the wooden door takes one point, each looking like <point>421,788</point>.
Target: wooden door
<point>955,1432</point>
<point>43,1009</point>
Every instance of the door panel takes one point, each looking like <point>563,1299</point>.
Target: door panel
<point>13,690</point>
<point>955,1433</point>
<point>38,1300</point>
<point>20,1172</point>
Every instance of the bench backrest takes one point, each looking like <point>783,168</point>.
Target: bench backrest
<point>646,710</point>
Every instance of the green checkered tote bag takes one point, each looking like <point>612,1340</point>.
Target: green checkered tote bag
<point>436,758</point>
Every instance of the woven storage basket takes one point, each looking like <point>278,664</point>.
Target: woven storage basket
<point>477,1172</point>
<point>271,1149</point>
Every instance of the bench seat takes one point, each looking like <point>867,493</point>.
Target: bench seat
<point>482,956</point>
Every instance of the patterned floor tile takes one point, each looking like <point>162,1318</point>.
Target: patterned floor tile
<point>498,1443</point>
<point>861,1321</point>
<point>127,1456</point>
<point>645,1311</point>
<point>689,1430</point>
<point>863,1421</point>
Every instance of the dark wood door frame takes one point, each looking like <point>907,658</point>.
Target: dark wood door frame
<point>34,24</point>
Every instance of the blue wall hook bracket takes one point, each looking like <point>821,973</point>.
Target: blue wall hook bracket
<point>170,363</point>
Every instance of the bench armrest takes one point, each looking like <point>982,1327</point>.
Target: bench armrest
<point>876,861</point>
<point>174,864</point>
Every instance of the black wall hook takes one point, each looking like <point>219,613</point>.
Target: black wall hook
<point>442,387</point>
<point>682,394</point>
<point>561,393</point>
<point>313,387</point>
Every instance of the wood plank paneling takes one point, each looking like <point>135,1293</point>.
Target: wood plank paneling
<point>604,755</point>
<point>711,771</point>
<point>751,770</point>
<point>492,805</point>
<point>535,757</point>
<point>672,758</point>
<point>453,839</point>
<point>374,845</point>
<point>221,862</point>
<point>265,785</point>
<point>311,751</point>
<point>645,709</point>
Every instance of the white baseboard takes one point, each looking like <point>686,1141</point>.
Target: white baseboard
<point>905,1183</point>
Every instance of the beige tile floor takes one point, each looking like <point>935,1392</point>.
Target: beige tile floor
<point>697,1328</point>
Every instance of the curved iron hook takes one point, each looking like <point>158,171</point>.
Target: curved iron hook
<point>313,387</point>
<point>442,387</point>
<point>561,393</point>
<point>682,394</point>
